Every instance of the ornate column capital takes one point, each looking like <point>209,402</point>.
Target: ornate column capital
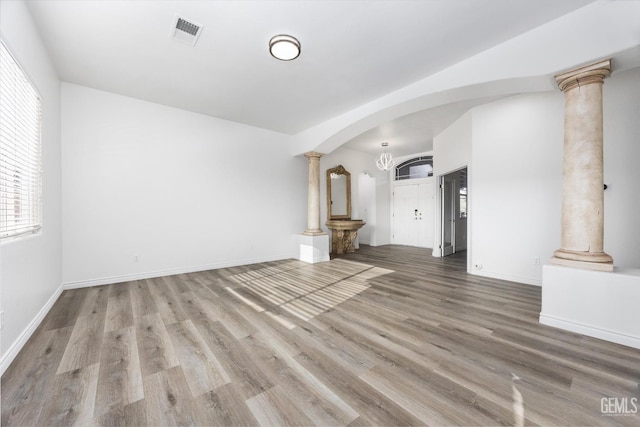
<point>310,154</point>
<point>593,73</point>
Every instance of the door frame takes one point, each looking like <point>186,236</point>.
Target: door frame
<point>437,221</point>
<point>430,180</point>
<point>445,193</point>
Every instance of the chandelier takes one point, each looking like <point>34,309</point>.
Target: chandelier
<point>385,161</point>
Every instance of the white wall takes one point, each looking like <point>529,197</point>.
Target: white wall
<point>356,162</point>
<point>514,150</point>
<point>621,110</point>
<point>179,190</point>
<point>451,152</point>
<point>30,267</point>
<point>366,205</point>
<point>595,303</point>
<point>382,235</point>
<point>517,185</point>
<point>452,147</point>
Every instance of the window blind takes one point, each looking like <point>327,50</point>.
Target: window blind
<point>20,158</point>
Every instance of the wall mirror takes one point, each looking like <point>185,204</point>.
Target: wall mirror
<point>338,193</point>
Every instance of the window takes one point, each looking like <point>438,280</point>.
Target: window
<point>463,193</point>
<point>20,170</point>
<point>420,167</point>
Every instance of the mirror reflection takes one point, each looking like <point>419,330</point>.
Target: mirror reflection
<point>338,193</point>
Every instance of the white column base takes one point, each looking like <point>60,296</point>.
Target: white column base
<point>598,304</point>
<point>314,249</point>
<point>597,266</point>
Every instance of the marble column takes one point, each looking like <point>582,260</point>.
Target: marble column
<point>313,198</point>
<point>582,183</point>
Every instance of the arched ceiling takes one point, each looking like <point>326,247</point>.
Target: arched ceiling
<point>362,61</point>
<point>352,51</point>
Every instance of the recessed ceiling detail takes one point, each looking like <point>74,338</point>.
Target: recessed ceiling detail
<point>185,31</point>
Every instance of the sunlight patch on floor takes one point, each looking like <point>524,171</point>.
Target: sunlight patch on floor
<point>307,290</point>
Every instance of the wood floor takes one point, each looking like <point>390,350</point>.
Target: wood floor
<point>386,336</point>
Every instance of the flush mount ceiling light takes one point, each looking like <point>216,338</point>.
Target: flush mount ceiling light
<point>385,161</point>
<point>284,47</point>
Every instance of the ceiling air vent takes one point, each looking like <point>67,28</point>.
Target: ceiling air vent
<point>185,31</point>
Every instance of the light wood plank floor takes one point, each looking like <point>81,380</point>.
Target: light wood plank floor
<point>386,336</point>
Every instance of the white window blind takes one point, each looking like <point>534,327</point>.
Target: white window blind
<point>20,164</point>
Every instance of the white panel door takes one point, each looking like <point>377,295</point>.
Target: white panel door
<point>413,215</point>
<point>425,215</point>
<point>405,215</point>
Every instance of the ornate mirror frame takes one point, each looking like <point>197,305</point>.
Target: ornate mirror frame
<point>338,170</point>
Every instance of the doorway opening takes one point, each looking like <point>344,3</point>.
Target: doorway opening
<point>412,203</point>
<point>454,213</point>
<point>412,213</point>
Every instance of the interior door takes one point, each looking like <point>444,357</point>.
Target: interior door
<point>448,195</point>
<point>413,215</point>
<point>425,215</point>
<point>405,215</point>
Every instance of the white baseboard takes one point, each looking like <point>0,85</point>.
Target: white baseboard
<point>508,277</point>
<point>315,260</point>
<point>17,345</point>
<point>599,304</point>
<point>169,272</point>
<point>589,330</point>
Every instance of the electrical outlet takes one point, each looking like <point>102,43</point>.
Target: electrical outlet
<point>478,266</point>
<point>536,261</point>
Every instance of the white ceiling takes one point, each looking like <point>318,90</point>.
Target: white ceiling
<point>413,133</point>
<point>352,52</point>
